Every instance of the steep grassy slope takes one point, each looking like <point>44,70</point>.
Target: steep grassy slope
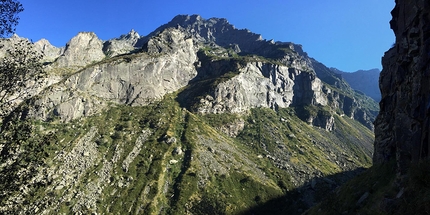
<point>161,158</point>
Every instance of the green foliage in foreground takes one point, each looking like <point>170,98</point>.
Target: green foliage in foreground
<point>184,163</point>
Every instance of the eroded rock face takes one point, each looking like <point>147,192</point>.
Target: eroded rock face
<point>50,52</point>
<point>219,31</point>
<point>122,45</point>
<point>136,80</point>
<point>402,127</point>
<point>81,50</point>
<point>215,30</point>
<point>264,85</point>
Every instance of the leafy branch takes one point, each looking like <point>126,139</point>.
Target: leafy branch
<point>21,71</point>
<point>9,10</point>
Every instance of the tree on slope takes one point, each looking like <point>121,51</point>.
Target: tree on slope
<point>20,64</point>
<point>20,71</point>
<point>9,16</point>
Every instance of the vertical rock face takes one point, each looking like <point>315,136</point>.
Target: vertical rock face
<point>402,127</point>
<point>265,85</point>
<point>135,80</point>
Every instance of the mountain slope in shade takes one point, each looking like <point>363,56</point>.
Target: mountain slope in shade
<point>366,81</point>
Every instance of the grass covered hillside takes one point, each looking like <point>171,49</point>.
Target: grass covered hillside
<point>162,158</point>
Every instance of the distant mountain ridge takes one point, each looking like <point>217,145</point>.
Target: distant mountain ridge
<point>366,81</point>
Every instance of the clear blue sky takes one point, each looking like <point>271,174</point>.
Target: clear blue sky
<point>346,34</point>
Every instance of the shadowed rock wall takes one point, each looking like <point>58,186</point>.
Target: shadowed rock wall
<point>402,127</point>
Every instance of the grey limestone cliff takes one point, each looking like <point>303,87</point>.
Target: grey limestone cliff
<point>124,44</point>
<point>265,85</point>
<point>135,80</point>
<point>49,52</point>
<point>81,50</point>
<point>136,70</point>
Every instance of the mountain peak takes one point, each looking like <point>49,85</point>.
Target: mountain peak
<point>131,35</point>
<point>195,18</point>
<point>43,41</point>
<point>49,51</point>
<point>187,18</point>
<point>365,81</point>
<point>196,23</point>
<point>82,49</point>
<point>220,32</point>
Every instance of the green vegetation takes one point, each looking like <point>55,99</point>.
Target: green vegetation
<point>219,53</point>
<point>305,112</point>
<point>184,163</point>
<point>21,69</point>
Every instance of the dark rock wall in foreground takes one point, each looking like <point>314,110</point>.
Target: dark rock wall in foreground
<point>402,127</point>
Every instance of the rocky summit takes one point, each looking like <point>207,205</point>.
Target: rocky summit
<point>197,117</point>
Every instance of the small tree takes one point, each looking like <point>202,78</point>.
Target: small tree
<point>20,67</point>
<point>9,10</point>
<point>21,71</point>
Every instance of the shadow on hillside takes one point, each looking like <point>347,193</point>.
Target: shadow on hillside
<point>210,73</point>
<point>299,200</point>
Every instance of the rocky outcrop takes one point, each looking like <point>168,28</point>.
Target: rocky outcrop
<point>49,52</point>
<point>255,82</point>
<point>122,45</point>
<point>136,149</point>
<point>264,85</point>
<point>220,32</point>
<point>325,121</point>
<point>215,30</point>
<point>81,50</point>
<point>132,80</point>
<point>404,120</point>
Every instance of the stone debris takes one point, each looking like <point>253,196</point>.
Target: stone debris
<point>136,149</point>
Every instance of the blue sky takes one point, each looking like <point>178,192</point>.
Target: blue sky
<point>347,34</point>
